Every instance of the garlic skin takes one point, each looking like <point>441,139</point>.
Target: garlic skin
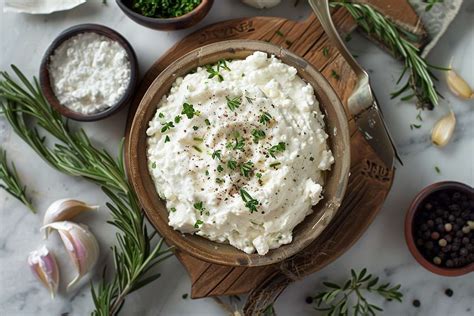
<point>458,85</point>
<point>63,210</point>
<point>443,130</point>
<point>262,4</point>
<point>44,266</point>
<point>81,245</point>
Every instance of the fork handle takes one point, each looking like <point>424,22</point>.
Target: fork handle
<point>321,9</point>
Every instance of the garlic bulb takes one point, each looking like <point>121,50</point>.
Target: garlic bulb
<point>44,266</point>
<point>81,245</point>
<point>458,85</point>
<point>262,4</point>
<point>63,210</point>
<point>443,130</point>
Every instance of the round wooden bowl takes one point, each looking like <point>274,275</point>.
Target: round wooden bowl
<point>336,179</point>
<point>419,199</point>
<point>45,80</point>
<point>181,22</point>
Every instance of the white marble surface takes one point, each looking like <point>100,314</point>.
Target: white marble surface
<point>382,249</point>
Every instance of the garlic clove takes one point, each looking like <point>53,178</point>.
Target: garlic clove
<point>63,210</point>
<point>81,245</point>
<point>458,85</point>
<point>443,130</point>
<point>44,266</point>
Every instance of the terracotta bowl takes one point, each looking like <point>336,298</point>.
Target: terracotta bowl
<point>177,23</point>
<point>419,199</point>
<point>45,80</point>
<point>336,179</point>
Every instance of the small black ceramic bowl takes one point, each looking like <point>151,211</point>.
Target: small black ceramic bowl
<point>180,22</point>
<point>45,80</point>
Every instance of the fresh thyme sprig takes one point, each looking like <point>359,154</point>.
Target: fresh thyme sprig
<point>26,109</point>
<point>342,299</point>
<point>420,83</point>
<point>10,181</point>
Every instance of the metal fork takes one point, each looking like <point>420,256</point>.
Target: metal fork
<point>362,103</point>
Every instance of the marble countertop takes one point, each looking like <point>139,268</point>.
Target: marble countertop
<point>382,249</point>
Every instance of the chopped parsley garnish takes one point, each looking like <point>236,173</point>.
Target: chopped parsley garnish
<point>153,165</point>
<point>208,123</point>
<point>335,75</point>
<point>177,119</point>
<point>417,126</point>
<point>239,142</point>
<point>246,168</point>
<point>173,209</point>
<point>195,127</point>
<point>437,169</point>
<point>184,296</point>
<point>196,225</point>
<point>198,139</point>
<point>214,73</point>
<point>167,139</point>
<point>199,206</point>
<point>167,126</point>
<point>311,158</point>
<point>258,175</point>
<point>219,180</point>
<point>160,115</point>
<point>249,201</point>
<point>279,33</point>
<point>325,52</point>
<point>277,148</point>
<point>250,100</point>
<point>275,164</point>
<point>220,168</point>
<point>265,118</point>
<point>197,148</point>
<point>258,134</point>
<point>233,103</point>
<point>206,173</point>
<point>189,111</point>
<point>222,63</point>
<point>216,154</point>
<point>232,164</point>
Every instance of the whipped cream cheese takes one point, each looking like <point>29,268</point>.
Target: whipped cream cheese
<point>238,151</point>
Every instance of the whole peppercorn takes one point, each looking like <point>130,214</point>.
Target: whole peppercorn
<point>442,242</point>
<point>437,260</point>
<point>428,206</point>
<point>466,229</point>
<point>465,241</point>
<point>438,220</point>
<point>440,228</point>
<point>416,303</point>
<point>449,263</point>
<point>430,223</point>
<point>448,238</point>
<point>448,227</point>
<point>434,235</point>
<point>309,300</point>
<point>463,252</point>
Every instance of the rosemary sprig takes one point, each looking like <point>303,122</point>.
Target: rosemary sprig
<point>26,109</point>
<point>420,83</point>
<point>337,299</point>
<point>10,181</point>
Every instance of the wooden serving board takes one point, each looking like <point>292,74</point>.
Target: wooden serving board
<point>369,183</point>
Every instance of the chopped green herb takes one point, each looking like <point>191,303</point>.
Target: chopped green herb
<point>418,117</point>
<point>277,148</point>
<point>258,175</point>
<point>173,209</point>
<point>197,149</point>
<point>160,115</point>
<point>216,154</point>
<point>232,164</point>
<point>208,123</point>
<point>233,103</point>
<point>164,8</point>
<point>239,142</point>
<point>198,222</point>
<point>437,169</point>
<point>206,173</point>
<point>153,165</point>
<point>177,119</point>
<point>335,75</point>
<point>417,126</point>
<point>214,73</point>
<point>219,180</point>
<point>431,3</point>
<point>188,110</point>
<point>325,52</point>
<point>167,126</point>
<point>167,139</point>
<point>279,33</point>
<point>275,164</point>
<point>246,168</point>
<point>249,201</point>
<point>195,127</point>
<point>198,139</point>
<point>265,118</point>
<point>222,63</point>
<point>250,100</point>
<point>184,296</point>
<point>258,134</point>
<point>199,206</point>
<point>220,168</point>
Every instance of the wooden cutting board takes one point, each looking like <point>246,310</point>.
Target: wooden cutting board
<point>369,183</point>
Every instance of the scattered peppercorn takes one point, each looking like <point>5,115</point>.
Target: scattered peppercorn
<point>309,300</point>
<point>416,303</point>
<point>449,292</point>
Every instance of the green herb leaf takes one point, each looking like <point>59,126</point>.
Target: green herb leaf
<point>177,119</point>
<point>208,123</point>
<point>232,164</point>
<point>277,148</point>
<point>167,139</point>
<point>239,142</point>
<point>198,222</point>
<point>216,154</point>
<point>188,110</point>
<point>335,75</point>
<point>249,201</point>
<point>220,168</point>
<point>246,168</point>
<point>166,126</point>
<point>258,134</point>
<point>265,118</point>
<point>173,209</point>
<point>325,52</point>
<point>233,103</point>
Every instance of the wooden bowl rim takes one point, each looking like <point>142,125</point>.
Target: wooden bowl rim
<point>202,6</point>
<point>240,258</point>
<point>45,81</point>
<point>410,216</point>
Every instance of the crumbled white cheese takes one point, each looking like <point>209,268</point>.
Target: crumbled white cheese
<point>202,192</point>
<point>89,72</point>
